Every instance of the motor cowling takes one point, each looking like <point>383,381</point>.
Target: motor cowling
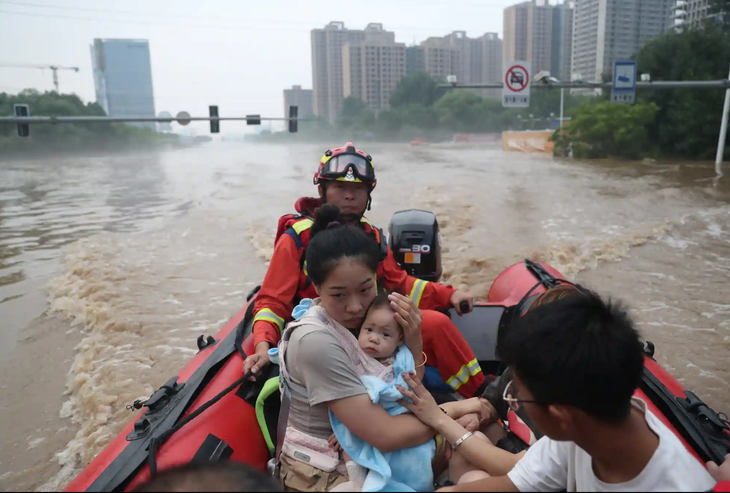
<point>415,241</point>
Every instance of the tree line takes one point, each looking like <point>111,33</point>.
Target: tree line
<point>69,136</point>
<point>663,123</point>
<point>420,108</point>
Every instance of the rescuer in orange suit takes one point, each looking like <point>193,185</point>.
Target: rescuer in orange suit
<point>346,178</point>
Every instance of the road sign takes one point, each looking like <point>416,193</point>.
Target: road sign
<point>624,83</point>
<point>183,118</point>
<point>516,89</point>
<point>164,126</point>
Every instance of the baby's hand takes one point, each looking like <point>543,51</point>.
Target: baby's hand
<point>334,443</point>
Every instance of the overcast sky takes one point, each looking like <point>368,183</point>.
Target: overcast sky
<point>239,54</point>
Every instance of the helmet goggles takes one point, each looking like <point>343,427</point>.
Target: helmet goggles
<point>349,168</point>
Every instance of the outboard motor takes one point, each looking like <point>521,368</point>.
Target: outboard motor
<point>416,243</point>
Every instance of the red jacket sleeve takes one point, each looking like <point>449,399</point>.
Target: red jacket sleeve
<point>427,295</point>
<point>275,300</point>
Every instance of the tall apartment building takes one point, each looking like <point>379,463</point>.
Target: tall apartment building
<point>609,30</point>
<point>471,60</point>
<point>123,78</point>
<point>690,14</point>
<point>440,58</point>
<point>541,34</point>
<point>414,60</point>
<point>562,49</point>
<point>371,70</point>
<point>296,96</point>
<point>327,59</point>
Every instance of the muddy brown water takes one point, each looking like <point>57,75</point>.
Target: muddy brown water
<point>111,267</point>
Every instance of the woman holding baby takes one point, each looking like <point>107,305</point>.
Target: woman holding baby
<point>342,362</point>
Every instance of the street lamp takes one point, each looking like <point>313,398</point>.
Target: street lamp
<point>545,78</point>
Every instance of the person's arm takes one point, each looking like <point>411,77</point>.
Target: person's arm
<point>372,424</point>
<point>426,295</point>
<point>274,301</point>
<point>330,379</point>
<point>499,484</point>
<point>483,455</point>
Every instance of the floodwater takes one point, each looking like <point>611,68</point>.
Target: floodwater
<point>111,267</point>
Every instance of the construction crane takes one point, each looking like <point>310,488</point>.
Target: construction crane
<point>54,68</point>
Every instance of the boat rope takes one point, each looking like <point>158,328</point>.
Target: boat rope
<point>157,441</point>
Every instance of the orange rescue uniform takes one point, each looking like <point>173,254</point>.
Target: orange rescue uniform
<point>286,283</point>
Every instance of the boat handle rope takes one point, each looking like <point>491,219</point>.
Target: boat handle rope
<point>157,441</point>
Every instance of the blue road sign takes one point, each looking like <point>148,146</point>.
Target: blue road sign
<point>624,82</point>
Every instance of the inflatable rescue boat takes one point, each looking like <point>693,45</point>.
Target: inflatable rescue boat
<point>210,412</point>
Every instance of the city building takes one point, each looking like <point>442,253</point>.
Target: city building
<point>414,60</point>
<point>690,14</point>
<point>371,69</point>
<point>327,58</point>
<point>490,51</point>
<point>123,78</point>
<point>540,33</point>
<point>608,30</point>
<point>471,60</point>
<point>440,58</point>
<point>296,96</point>
<point>562,49</point>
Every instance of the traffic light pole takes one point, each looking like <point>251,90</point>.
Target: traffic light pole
<point>23,120</point>
<point>669,84</point>
<point>723,132</point>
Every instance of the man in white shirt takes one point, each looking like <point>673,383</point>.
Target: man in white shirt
<point>576,363</point>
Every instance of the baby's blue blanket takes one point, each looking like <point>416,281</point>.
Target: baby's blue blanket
<point>402,470</point>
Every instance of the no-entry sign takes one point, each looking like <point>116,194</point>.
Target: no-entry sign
<point>516,90</point>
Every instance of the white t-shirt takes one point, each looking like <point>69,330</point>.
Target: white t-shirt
<point>560,466</point>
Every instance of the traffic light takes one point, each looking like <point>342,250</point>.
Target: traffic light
<point>215,125</point>
<point>293,122</point>
<point>253,119</point>
<point>22,110</point>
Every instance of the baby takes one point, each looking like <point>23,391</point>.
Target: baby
<point>381,335</point>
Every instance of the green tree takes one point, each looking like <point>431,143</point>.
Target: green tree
<point>355,115</point>
<point>419,88</point>
<point>466,111</point>
<point>688,121</point>
<point>721,8</point>
<point>602,129</point>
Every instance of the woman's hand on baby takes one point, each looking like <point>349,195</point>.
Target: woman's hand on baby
<point>409,318</point>
<point>422,403</point>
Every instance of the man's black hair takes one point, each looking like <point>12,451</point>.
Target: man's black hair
<point>579,351</point>
<point>211,476</point>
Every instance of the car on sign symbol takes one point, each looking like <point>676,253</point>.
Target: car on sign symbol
<point>516,78</point>
<point>623,78</point>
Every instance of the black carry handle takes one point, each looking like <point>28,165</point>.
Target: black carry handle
<point>464,307</point>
